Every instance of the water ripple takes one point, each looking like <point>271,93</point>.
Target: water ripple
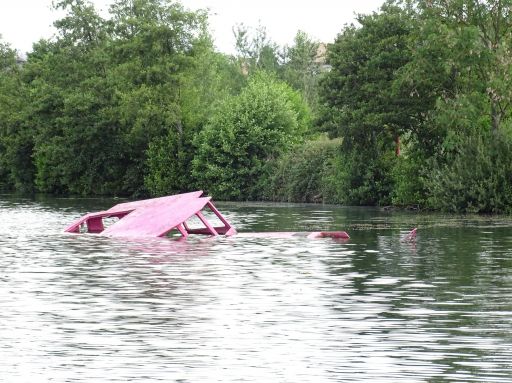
<point>86,308</point>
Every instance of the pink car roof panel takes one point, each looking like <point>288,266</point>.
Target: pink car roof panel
<point>157,219</point>
<point>128,206</point>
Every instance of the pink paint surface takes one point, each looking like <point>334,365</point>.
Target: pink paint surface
<point>156,220</point>
<point>156,217</point>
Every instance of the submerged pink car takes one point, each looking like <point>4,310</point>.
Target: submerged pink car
<point>160,217</point>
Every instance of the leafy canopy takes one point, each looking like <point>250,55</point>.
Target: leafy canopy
<point>244,134</point>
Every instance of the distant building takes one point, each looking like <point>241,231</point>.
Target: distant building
<point>20,61</point>
<point>321,58</point>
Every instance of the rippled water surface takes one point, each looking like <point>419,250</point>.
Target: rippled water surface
<point>82,308</point>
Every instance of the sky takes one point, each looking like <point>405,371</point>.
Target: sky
<point>23,22</point>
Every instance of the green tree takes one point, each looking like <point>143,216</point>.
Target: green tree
<point>462,68</point>
<point>16,143</point>
<point>81,26</point>
<point>361,103</point>
<point>302,67</point>
<point>358,91</point>
<point>244,134</point>
<point>75,146</point>
<point>255,50</point>
<point>205,83</point>
<point>481,31</point>
<point>476,178</point>
<point>155,42</point>
<point>305,173</point>
<point>105,90</point>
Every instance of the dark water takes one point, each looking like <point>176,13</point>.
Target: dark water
<point>82,308</point>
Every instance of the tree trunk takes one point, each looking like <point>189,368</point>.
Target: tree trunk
<point>496,117</point>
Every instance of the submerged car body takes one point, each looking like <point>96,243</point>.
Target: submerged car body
<point>158,217</point>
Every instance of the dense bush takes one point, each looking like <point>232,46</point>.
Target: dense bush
<point>321,171</point>
<point>305,173</point>
<point>408,174</point>
<point>365,180</point>
<point>207,81</point>
<point>16,138</point>
<point>167,163</point>
<point>245,133</point>
<point>477,178</point>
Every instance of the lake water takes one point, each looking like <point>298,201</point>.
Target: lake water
<point>82,308</point>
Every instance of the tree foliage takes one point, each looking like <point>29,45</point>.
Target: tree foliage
<point>361,102</point>
<point>256,51</point>
<point>105,90</point>
<point>416,98</point>
<point>476,179</point>
<point>306,173</point>
<point>435,75</point>
<point>303,66</point>
<point>203,88</point>
<point>244,134</point>
<point>16,140</point>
